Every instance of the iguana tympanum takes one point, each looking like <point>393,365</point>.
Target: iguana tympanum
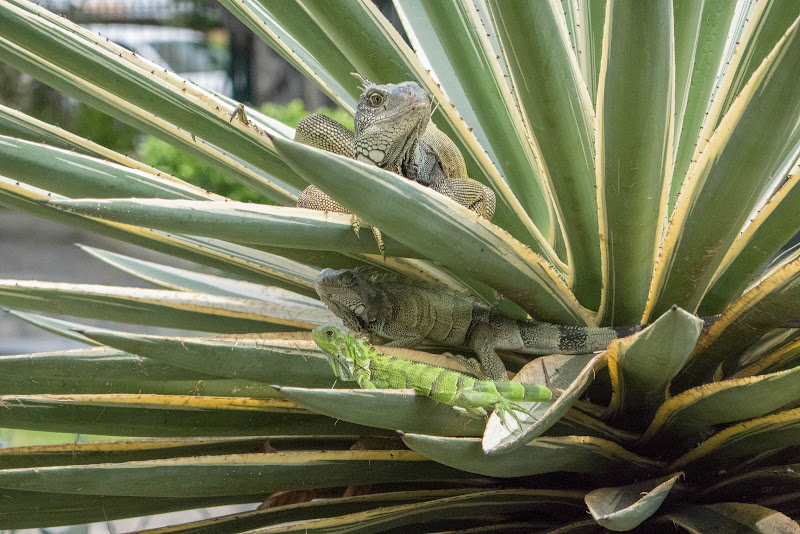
<point>393,130</point>
<point>353,360</point>
<point>408,312</point>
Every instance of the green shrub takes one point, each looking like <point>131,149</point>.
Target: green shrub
<point>167,158</point>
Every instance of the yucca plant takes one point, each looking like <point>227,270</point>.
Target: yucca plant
<point>644,158</point>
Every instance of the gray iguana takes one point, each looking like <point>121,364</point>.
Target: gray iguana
<point>353,360</point>
<point>393,130</point>
<point>407,312</point>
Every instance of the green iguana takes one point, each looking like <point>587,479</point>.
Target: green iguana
<point>354,360</point>
<point>408,312</point>
<point>393,130</point>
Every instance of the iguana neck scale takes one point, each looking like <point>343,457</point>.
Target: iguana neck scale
<point>408,312</point>
<point>354,360</point>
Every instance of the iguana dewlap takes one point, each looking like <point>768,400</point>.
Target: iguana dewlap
<point>393,131</point>
<point>409,312</point>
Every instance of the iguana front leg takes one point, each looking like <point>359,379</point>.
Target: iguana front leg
<point>314,198</point>
<point>469,193</point>
<point>320,131</point>
<point>482,342</point>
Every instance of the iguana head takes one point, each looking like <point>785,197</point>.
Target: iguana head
<point>335,343</point>
<point>388,122</point>
<point>350,296</point>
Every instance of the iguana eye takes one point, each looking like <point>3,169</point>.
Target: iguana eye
<point>376,99</point>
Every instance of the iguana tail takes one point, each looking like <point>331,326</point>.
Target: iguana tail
<point>545,338</point>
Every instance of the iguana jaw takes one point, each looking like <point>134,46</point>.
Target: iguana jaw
<point>331,340</point>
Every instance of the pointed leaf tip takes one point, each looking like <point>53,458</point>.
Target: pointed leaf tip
<point>626,507</point>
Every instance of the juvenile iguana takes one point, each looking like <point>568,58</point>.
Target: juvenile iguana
<point>354,360</point>
<point>408,312</point>
<point>393,131</point>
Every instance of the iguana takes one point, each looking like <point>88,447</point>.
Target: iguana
<point>393,130</point>
<point>354,360</point>
<point>407,312</point>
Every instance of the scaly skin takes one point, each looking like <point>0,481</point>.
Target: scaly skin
<point>393,131</point>
<point>409,312</point>
<point>354,360</point>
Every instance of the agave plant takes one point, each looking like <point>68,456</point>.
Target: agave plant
<point>644,158</point>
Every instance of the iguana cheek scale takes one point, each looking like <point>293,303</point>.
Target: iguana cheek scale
<point>354,360</point>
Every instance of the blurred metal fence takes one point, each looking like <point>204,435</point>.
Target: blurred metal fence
<point>196,14</point>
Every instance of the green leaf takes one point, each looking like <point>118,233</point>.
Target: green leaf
<point>404,410</point>
<point>774,225</point>
<point>588,526</point>
<point>642,366</point>
<point>76,175</point>
<point>168,416</point>
<point>37,509</point>
<point>765,24</point>
<point>736,517</point>
<point>431,53</point>
<point>117,451</point>
<point>237,474</point>
<point>66,329</point>
<point>780,479</point>
<point>285,360</point>
<point>585,23</point>
<point>14,123</point>
<point>287,28</point>
<point>572,374</point>
<point>723,402</point>
<point>577,423</point>
<point>626,507</point>
<point>784,357</point>
<point>68,60</point>
<point>752,140</point>
<point>575,454</point>
<point>239,222</point>
<point>103,370</point>
<point>635,113</point>
<point>96,363</point>
<point>351,24</point>
<point>440,229</point>
<point>744,439</point>
<point>381,511</point>
<point>764,307</point>
<point>186,280</point>
<point>386,408</point>
<point>251,264</point>
<point>469,50</point>
<point>157,307</point>
<point>552,94</point>
<point>701,29</point>
<point>432,510</point>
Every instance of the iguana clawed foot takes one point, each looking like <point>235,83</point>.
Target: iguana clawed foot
<point>315,199</point>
